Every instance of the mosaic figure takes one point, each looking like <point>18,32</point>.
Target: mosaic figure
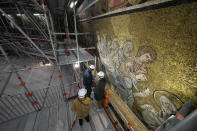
<point>127,49</point>
<point>124,70</point>
<point>144,93</point>
<point>116,54</point>
<point>135,67</point>
<point>167,107</point>
<point>151,116</point>
<point>104,54</point>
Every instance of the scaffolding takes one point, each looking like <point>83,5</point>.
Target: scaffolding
<point>35,37</point>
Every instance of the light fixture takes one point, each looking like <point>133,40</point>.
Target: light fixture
<point>76,2</point>
<point>18,14</point>
<point>42,64</point>
<point>37,14</point>
<point>76,65</point>
<point>72,4</point>
<point>48,64</point>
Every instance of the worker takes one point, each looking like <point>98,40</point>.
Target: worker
<point>99,90</point>
<point>81,106</point>
<point>88,79</point>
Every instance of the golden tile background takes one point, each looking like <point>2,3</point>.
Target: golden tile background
<point>172,32</point>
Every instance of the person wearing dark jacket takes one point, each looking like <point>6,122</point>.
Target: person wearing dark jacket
<point>88,79</point>
<point>99,90</point>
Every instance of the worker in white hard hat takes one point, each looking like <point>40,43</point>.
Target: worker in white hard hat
<point>88,79</point>
<point>99,90</point>
<point>81,106</point>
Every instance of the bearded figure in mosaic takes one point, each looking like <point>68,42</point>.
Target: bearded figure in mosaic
<point>135,67</point>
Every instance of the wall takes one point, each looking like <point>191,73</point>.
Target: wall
<point>149,51</point>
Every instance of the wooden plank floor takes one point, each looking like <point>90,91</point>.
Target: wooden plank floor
<point>56,118</point>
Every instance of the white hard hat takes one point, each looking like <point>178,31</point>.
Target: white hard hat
<point>101,74</point>
<point>92,67</point>
<point>82,92</point>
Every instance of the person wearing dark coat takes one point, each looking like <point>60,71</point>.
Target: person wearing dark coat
<point>88,79</point>
<point>99,90</point>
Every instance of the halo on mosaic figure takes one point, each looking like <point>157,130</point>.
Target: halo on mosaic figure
<point>175,99</point>
<point>147,49</point>
<point>115,43</point>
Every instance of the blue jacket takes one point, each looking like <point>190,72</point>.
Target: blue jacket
<point>87,78</point>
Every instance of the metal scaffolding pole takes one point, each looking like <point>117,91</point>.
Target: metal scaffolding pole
<point>3,13</point>
<point>37,27</point>
<point>89,48</point>
<point>49,31</point>
<point>52,27</point>
<point>54,50</point>
<point>67,33</point>
<point>76,36</point>
<point>66,26</point>
<point>87,6</point>
<point>37,4</point>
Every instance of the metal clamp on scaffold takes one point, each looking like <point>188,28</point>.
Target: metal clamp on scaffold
<point>34,103</point>
<point>28,95</point>
<point>22,84</point>
<point>67,51</point>
<point>42,2</point>
<point>129,124</point>
<point>60,76</point>
<point>106,102</point>
<point>29,68</point>
<point>19,78</point>
<point>66,33</point>
<point>64,94</point>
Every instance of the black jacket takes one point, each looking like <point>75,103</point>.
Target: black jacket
<point>99,90</point>
<point>87,78</point>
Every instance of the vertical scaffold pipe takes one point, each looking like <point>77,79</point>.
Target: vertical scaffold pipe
<point>76,37</point>
<point>54,51</point>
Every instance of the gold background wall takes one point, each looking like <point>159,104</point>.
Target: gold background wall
<point>172,32</point>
